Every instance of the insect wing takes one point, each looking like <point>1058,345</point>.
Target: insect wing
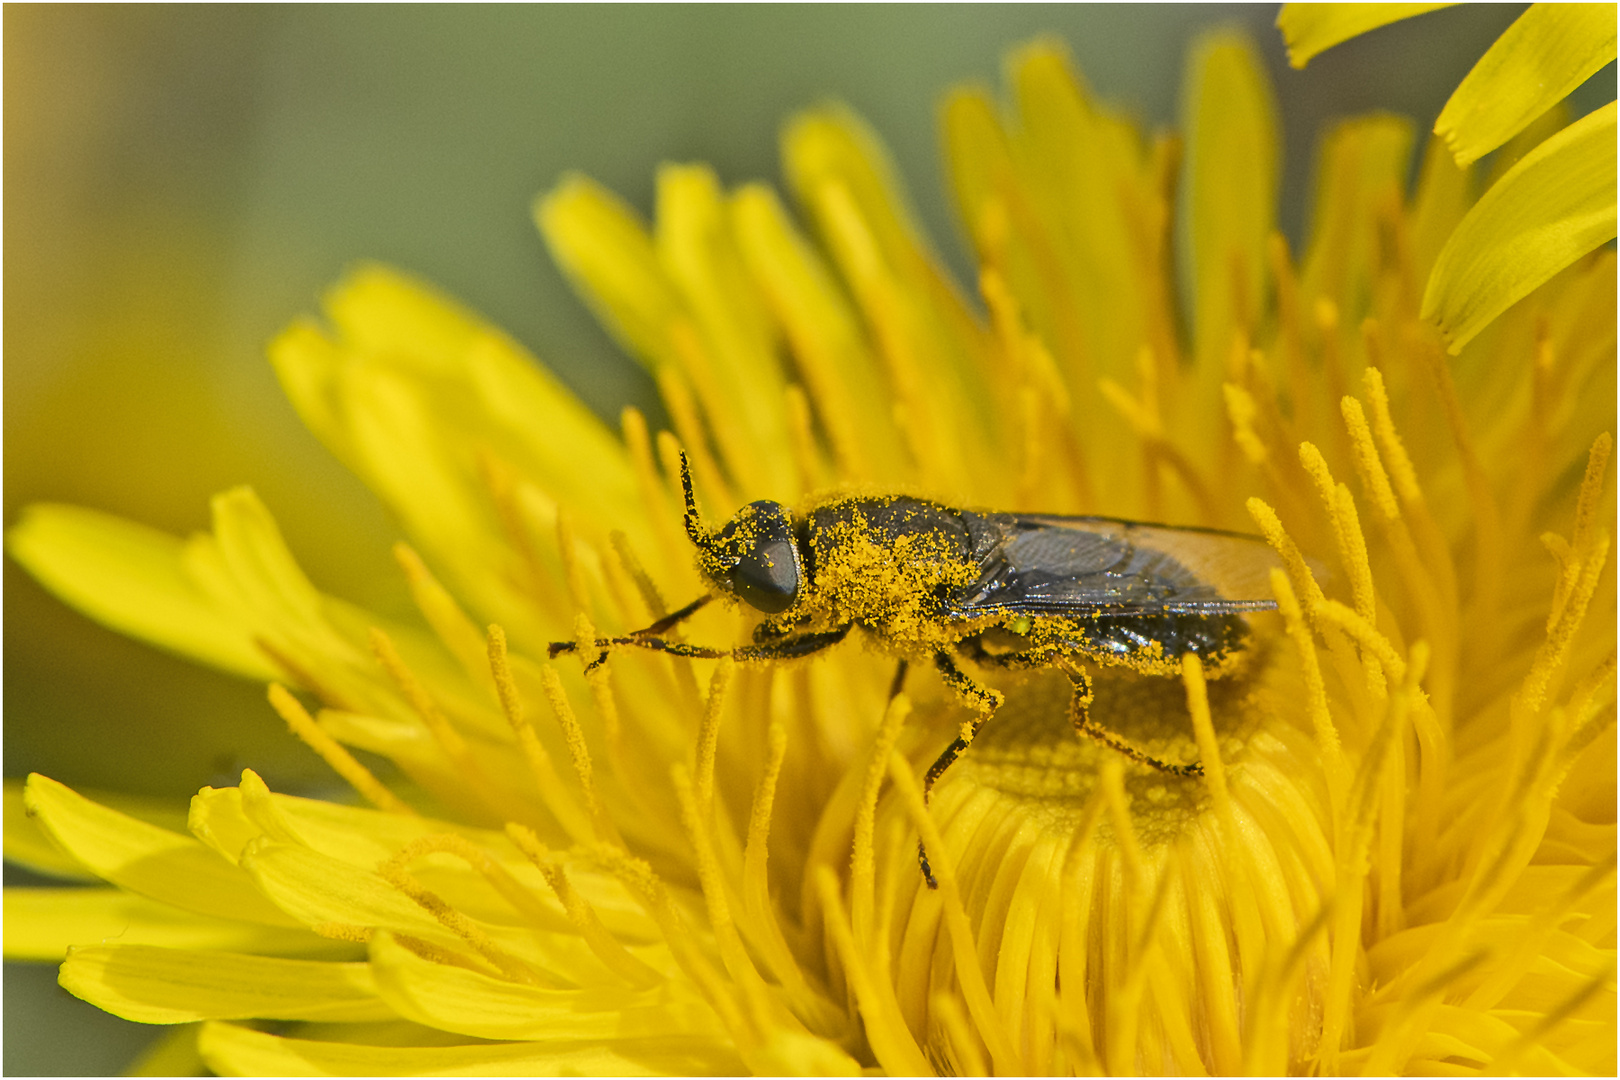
<point>1078,565</point>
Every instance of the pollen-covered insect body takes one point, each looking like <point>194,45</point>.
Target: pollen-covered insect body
<point>928,581</point>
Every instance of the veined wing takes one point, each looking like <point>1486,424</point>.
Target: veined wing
<point>1037,564</point>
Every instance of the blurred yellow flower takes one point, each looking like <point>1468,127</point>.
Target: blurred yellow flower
<point>1401,858</point>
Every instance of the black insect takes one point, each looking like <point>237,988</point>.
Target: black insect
<point>1019,591</point>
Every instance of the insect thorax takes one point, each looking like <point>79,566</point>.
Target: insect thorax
<point>886,564</point>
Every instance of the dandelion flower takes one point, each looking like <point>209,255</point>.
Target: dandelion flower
<point>1401,857</point>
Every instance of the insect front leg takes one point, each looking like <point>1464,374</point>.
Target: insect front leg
<point>984,701</point>
<point>782,649</point>
<point>557,648</point>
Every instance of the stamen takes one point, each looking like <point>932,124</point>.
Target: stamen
<point>579,754</point>
<point>708,738</point>
<point>682,411</point>
<point>573,572</point>
<point>966,1057</point>
<point>443,614</point>
<point>660,512</point>
<point>758,908</point>
<point>393,871</point>
<point>449,739</point>
<point>339,931</point>
<point>886,1030</point>
<point>649,891</point>
<point>1550,657</point>
<point>1327,735</point>
<point>334,753</point>
<point>806,459</point>
<point>1586,504</point>
<point>1209,751</point>
<point>548,785</point>
<point>581,914</point>
<point>732,952</point>
<point>493,872</point>
<point>960,932</point>
<point>863,869</point>
<point>651,597</point>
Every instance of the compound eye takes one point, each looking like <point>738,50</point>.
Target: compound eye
<point>765,574</point>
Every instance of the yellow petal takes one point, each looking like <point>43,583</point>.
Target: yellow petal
<point>1313,28</point>
<point>145,859</point>
<point>29,846</point>
<point>1551,208</point>
<point>455,999</point>
<point>152,985</point>
<point>604,248</point>
<point>42,924</point>
<point>1547,52</point>
<point>134,580</point>
<point>1231,189</point>
<point>319,889</point>
<point>237,1051</point>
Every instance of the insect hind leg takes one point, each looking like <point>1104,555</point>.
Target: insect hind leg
<point>1080,718</point>
<point>1061,655</point>
<point>984,701</point>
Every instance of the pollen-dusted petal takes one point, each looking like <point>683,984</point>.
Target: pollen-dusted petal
<point>1310,29</point>
<point>1233,171</point>
<point>238,1051</point>
<point>1555,205</point>
<point>1547,52</point>
<point>145,859</point>
<point>153,985</point>
<point>455,999</point>
<point>135,580</point>
<point>42,924</point>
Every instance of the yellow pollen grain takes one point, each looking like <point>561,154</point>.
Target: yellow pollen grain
<point>1372,471</point>
<point>581,914</point>
<point>963,949</point>
<point>548,784</point>
<point>334,753</point>
<point>578,752</point>
<point>341,931</point>
<point>393,872</point>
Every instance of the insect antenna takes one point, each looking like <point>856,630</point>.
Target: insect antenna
<point>694,523</point>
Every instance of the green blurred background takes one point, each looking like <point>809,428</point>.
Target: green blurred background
<point>181,181</point>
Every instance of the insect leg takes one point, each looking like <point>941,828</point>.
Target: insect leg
<point>1080,717</point>
<point>981,698</point>
<point>785,649</point>
<point>557,648</point>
